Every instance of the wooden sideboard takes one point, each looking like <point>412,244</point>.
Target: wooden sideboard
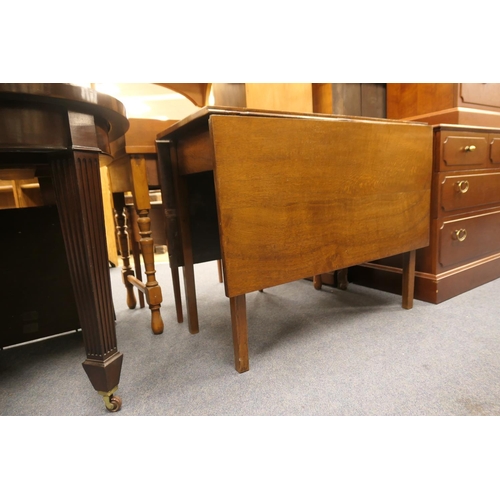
<point>464,250</point>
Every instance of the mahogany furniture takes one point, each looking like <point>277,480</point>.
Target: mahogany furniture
<point>65,128</point>
<point>133,168</point>
<point>464,250</point>
<point>282,196</point>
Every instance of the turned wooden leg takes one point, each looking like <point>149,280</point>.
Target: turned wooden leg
<point>317,282</point>
<point>408,278</point>
<point>153,290</point>
<point>77,185</point>
<point>177,293</point>
<point>240,332</point>
<point>135,248</point>
<point>123,243</point>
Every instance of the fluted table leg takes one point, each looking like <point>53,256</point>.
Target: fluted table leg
<point>77,185</point>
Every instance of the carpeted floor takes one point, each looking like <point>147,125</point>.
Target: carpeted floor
<point>328,352</point>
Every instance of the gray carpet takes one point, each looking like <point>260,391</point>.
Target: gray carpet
<point>312,353</point>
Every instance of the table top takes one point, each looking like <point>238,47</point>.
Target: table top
<point>201,116</point>
<point>72,97</point>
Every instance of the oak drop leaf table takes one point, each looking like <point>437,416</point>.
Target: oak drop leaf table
<point>62,129</point>
<point>284,196</point>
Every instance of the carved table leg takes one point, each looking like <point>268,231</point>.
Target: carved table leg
<point>153,290</point>
<point>408,278</point>
<point>123,242</point>
<point>240,332</point>
<point>140,191</point>
<point>136,251</point>
<point>77,184</point>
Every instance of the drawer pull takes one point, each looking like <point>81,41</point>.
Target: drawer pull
<point>462,186</point>
<point>459,234</point>
<point>470,148</point>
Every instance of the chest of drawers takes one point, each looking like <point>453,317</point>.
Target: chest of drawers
<point>464,249</point>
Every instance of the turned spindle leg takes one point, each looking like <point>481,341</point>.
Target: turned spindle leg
<point>123,243</point>
<point>153,290</point>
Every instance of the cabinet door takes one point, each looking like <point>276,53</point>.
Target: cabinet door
<point>481,94</point>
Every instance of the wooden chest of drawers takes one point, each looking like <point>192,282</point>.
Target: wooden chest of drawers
<point>464,250</point>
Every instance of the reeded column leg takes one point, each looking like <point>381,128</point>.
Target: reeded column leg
<point>408,278</point>
<point>123,242</point>
<point>239,326</point>
<point>77,184</point>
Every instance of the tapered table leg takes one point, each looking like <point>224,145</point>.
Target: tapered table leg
<point>77,185</point>
<point>408,278</point>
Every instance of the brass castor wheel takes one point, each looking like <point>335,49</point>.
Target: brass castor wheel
<point>115,403</point>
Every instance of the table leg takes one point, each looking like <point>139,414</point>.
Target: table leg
<point>153,290</point>
<point>187,251</point>
<point>135,249</point>
<point>408,278</point>
<point>317,281</point>
<point>219,270</point>
<point>177,293</point>
<point>77,185</point>
<point>123,243</point>
<point>240,332</point>
<point>172,229</point>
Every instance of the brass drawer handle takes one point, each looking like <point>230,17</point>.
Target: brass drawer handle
<point>459,234</point>
<point>470,148</point>
<point>462,186</point>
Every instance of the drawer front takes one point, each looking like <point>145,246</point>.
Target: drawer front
<point>467,191</point>
<point>467,239</point>
<point>464,150</point>
<point>494,141</point>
